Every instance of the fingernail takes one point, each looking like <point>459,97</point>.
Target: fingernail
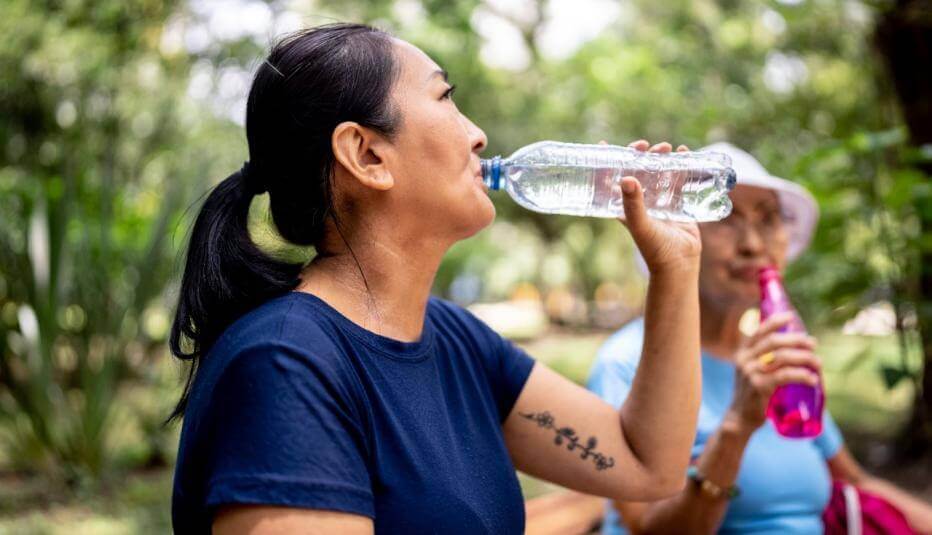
<point>628,186</point>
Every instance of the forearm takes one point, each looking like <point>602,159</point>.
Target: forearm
<point>659,415</point>
<point>692,511</point>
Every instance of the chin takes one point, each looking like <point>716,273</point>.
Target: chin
<point>731,292</point>
<point>746,298</point>
<point>478,219</point>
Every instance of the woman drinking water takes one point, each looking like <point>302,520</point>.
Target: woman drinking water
<point>339,396</point>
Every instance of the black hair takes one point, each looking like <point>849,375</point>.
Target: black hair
<point>312,81</point>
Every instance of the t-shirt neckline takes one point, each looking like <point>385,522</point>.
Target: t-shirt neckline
<point>390,347</point>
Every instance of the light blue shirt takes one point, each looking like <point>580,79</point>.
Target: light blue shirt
<point>785,484</point>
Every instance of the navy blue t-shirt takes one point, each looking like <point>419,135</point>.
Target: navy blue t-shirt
<point>295,405</point>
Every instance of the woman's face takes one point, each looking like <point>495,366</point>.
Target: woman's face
<point>434,154</point>
<point>734,249</point>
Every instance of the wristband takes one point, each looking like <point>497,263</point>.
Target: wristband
<point>711,489</point>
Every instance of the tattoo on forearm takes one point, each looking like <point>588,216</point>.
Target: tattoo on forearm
<point>545,420</point>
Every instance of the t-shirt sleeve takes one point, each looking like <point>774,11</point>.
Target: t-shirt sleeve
<point>615,366</point>
<point>506,365</point>
<point>283,431</point>
<point>513,369</point>
<point>830,440</point>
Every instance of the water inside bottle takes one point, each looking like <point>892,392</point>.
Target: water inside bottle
<point>588,191</point>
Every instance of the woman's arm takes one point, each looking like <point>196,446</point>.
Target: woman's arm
<point>694,510</point>
<point>271,520</point>
<point>560,432</point>
<point>917,512</point>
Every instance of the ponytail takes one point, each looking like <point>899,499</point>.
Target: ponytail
<point>225,273</point>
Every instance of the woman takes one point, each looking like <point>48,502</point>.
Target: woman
<point>755,480</point>
<point>338,396</point>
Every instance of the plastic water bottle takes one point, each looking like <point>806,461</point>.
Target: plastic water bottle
<point>794,409</point>
<point>575,179</point>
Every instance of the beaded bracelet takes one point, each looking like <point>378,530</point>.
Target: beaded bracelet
<point>711,489</point>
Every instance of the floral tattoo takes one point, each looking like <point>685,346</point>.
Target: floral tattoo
<point>545,420</point>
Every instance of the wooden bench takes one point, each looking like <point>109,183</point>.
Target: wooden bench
<point>564,513</point>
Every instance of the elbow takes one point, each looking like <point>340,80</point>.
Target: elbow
<point>669,480</point>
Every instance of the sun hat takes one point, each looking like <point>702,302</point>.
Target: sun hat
<point>799,208</point>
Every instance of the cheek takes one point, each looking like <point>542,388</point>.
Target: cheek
<point>438,136</point>
<point>777,249</point>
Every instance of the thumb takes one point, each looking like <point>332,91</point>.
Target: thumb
<point>633,199</point>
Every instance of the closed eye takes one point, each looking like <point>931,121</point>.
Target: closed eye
<point>448,94</point>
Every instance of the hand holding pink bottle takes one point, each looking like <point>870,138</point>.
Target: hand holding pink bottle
<point>795,409</point>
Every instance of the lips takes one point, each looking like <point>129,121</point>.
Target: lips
<point>746,272</point>
<point>479,181</point>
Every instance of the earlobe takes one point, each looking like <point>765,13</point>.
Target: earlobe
<point>356,148</point>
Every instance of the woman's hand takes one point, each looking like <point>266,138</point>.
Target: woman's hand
<point>663,244</point>
<point>766,360</point>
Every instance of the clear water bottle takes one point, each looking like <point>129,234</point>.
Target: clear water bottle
<point>794,409</point>
<point>575,179</point>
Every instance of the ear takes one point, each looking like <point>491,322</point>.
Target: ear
<point>359,150</point>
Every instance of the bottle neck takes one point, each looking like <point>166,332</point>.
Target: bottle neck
<point>772,293</point>
<point>773,298</point>
<point>492,172</point>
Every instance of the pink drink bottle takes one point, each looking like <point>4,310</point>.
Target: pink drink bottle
<point>795,409</point>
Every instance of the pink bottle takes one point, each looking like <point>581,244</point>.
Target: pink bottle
<point>795,409</point>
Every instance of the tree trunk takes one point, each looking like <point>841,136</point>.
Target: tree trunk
<point>904,38</point>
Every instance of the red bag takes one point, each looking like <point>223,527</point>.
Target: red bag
<point>851,511</point>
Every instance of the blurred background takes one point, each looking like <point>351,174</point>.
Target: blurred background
<point>116,116</point>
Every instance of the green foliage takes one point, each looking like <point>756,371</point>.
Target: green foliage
<point>100,157</point>
<point>103,147</point>
<point>698,72</point>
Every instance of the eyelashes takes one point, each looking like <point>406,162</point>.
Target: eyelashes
<point>449,92</point>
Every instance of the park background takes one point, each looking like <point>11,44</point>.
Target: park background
<point>117,115</point>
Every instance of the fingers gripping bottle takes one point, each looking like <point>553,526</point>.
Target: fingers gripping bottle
<point>574,179</point>
<point>794,409</point>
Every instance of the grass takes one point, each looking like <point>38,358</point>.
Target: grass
<point>139,502</point>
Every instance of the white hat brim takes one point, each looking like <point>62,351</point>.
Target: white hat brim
<point>799,208</point>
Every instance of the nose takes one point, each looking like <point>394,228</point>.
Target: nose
<point>750,241</point>
<point>477,138</point>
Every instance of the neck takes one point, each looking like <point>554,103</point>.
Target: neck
<point>380,285</point>
<point>719,328</point>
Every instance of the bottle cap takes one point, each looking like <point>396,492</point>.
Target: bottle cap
<point>767,274</point>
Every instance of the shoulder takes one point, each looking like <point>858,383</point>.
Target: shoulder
<point>448,316</point>
<point>282,330</point>
<point>438,307</point>
<point>459,326</point>
<point>624,346</point>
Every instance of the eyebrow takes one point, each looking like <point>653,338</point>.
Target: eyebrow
<point>444,74</point>
<point>772,206</point>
